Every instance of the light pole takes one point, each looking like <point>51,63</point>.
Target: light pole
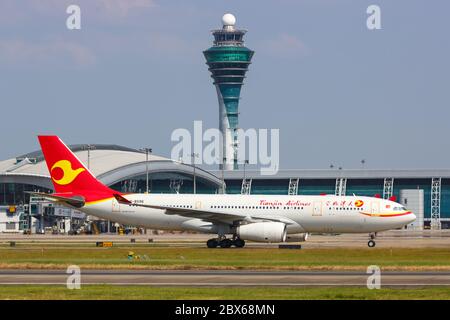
<point>223,174</point>
<point>245,163</point>
<point>194,156</point>
<point>89,147</point>
<point>147,152</point>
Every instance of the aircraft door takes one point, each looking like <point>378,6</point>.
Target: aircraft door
<point>115,206</point>
<point>317,210</point>
<point>376,207</point>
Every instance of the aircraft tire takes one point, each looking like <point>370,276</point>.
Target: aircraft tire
<point>239,243</point>
<point>212,243</point>
<point>371,244</point>
<point>226,243</point>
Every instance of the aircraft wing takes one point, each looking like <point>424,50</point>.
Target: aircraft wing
<point>73,200</point>
<point>211,216</point>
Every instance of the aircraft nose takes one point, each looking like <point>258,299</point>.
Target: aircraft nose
<point>412,217</point>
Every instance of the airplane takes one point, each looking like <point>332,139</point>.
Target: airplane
<point>233,218</point>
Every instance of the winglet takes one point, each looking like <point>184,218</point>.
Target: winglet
<point>121,199</point>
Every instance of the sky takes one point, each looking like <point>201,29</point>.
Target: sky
<point>135,72</point>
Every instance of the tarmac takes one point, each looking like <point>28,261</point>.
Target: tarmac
<point>225,278</point>
<point>232,278</point>
<point>390,239</point>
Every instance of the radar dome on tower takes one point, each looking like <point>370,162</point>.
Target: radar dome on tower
<point>228,20</point>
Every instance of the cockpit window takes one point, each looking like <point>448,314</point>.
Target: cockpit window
<point>399,209</point>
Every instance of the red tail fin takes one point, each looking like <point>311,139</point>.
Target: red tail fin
<point>68,174</point>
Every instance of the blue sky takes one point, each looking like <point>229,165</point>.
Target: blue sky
<point>338,92</point>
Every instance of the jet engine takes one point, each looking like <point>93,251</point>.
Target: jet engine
<point>298,237</point>
<point>263,232</point>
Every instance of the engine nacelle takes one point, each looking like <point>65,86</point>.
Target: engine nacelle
<point>263,232</point>
<point>298,237</point>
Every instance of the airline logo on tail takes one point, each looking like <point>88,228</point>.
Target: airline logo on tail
<point>69,176</point>
<point>68,173</point>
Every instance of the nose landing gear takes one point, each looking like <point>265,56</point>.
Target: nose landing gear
<point>371,242</point>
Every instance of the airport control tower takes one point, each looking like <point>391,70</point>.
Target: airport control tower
<point>228,60</point>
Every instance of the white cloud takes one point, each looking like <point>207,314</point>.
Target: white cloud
<point>286,45</point>
<point>29,53</point>
<point>16,12</point>
<point>169,43</point>
<point>53,45</point>
<point>121,8</point>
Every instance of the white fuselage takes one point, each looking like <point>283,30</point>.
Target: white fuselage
<point>323,214</point>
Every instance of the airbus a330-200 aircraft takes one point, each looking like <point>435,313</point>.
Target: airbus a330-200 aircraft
<point>233,218</point>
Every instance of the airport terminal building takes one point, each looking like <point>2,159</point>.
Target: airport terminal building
<point>425,192</point>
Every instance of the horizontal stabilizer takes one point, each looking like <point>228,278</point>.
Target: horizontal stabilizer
<point>70,199</point>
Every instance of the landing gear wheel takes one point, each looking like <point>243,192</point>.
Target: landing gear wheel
<point>239,243</point>
<point>212,243</point>
<point>371,243</point>
<point>225,243</point>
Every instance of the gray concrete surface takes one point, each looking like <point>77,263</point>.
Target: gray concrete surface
<point>400,239</point>
<point>224,278</point>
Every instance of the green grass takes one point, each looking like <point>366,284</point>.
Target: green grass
<point>166,293</point>
<point>203,258</point>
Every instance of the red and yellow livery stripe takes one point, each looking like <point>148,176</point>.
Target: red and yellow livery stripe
<point>386,215</point>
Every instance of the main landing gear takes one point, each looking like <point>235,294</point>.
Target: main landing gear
<point>371,242</point>
<point>225,243</point>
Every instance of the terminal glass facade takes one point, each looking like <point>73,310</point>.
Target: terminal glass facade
<point>165,182</point>
<point>15,193</point>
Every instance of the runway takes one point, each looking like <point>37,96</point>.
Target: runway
<point>224,278</point>
<point>389,239</point>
